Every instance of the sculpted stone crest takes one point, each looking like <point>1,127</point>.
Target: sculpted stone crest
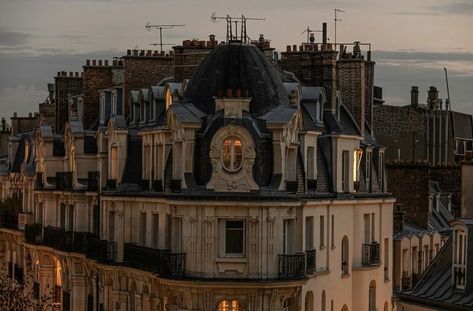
<point>237,180</point>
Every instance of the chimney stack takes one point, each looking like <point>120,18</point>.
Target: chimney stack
<point>414,96</point>
<point>432,98</point>
<point>4,124</point>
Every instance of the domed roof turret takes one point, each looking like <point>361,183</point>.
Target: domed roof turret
<point>239,69</point>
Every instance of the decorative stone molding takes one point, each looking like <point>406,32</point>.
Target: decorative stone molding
<point>241,180</point>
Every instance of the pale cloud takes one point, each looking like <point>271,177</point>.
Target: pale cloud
<point>14,99</point>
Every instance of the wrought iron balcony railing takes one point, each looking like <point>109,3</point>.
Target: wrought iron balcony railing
<point>64,181</point>
<point>101,250</point>
<point>310,261</point>
<point>39,181</point>
<point>370,254</point>
<point>64,240</point>
<point>33,233</point>
<point>292,266</point>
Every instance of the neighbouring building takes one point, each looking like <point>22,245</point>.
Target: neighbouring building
<point>237,188</point>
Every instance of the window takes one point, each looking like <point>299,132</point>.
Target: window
<point>168,98</point>
<point>291,164</point>
<point>322,231</point>
<point>372,227</point>
<point>102,108</point>
<point>311,163</point>
<point>357,154</point>
<point>386,259</point>
<point>229,305</point>
<point>426,257</point>
<point>372,296</point>
<point>70,222</point>
<point>345,258</point>
<point>62,216</point>
<point>367,230</point>
<point>345,171</point>
<point>414,259</point>
<point>111,226</point>
<point>155,230</point>
<point>309,233</point>
<point>332,227</point>
<point>143,228</point>
<point>39,216</point>
<point>234,238</point>
<point>309,301</point>
<point>176,234</point>
<point>96,220</point>
<point>459,258</point>
<point>232,154</point>
<point>381,169</point>
<point>288,239</point>
<point>323,302</point>
<point>113,162</point>
<point>368,171</point>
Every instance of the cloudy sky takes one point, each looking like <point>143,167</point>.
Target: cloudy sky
<point>412,39</point>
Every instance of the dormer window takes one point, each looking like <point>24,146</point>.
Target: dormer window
<point>168,98</point>
<point>102,108</point>
<point>232,154</point>
<point>357,154</point>
<point>459,258</point>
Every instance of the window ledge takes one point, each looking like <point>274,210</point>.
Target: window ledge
<point>232,259</point>
<point>345,275</point>
<point>322,247</point>
<point>363,268</point>
<point>322,272</point>
<point>333,247</point>
<point>387,280</point>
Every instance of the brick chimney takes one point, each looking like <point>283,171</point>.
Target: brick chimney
<point>414,96</point>
<point>433,98</point>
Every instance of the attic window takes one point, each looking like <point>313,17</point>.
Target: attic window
<point>459,259</point>
<point>232,154</point>
<point>168,98</point>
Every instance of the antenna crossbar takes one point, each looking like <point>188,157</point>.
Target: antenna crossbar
<point>232,21</point>
<point>160,27</point>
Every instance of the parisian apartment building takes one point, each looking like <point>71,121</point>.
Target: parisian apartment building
<point>225,176</point>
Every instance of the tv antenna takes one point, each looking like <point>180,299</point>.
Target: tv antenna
<point>447,102</point>
<point>336,19</point>
<point>161,27</point>
<point>234,21</point>
<point>309,32</point>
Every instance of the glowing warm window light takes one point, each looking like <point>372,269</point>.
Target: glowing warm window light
<point>232,154</point>
<point>357,154</point>
<point>229,305</point>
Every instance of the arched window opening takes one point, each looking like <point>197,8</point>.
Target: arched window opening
<point>322,302</point>
<point>345,259</point>
<point>344,308</point>
<point>232,154</point>
<point>372,296</point>
<point>229,305</point>
<point>309,301</point>
<point>386,306</point>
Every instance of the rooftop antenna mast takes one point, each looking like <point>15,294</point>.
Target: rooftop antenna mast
<point>161,27</point>
<point>309,31</point>
<point>336,19</point>
<point>233,35</point>
<point>447,103</point>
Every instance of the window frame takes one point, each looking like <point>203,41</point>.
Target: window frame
<point>223,244</point>
<point>232,154</point>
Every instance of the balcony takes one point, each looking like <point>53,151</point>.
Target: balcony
<point>370,254</point>
<point>157,185</point>
<point>101,250</point>
<point>145,184</point>
<point>311,184</point>
<point>310,262</point>
<point>292,267</point>
<point>33,233</point>
<point>64,181</point>
<point>93,181</point>
<point>23,219</point>
<point>63,240</point>
<point>19,277</point>
<point>158,261</point>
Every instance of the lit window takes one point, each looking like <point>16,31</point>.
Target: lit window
<point>229,305</point>
<point>232,154</point>
<point>459,258</point>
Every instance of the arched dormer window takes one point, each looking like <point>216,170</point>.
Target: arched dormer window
<point>459,275</point>
<point>229,305</point>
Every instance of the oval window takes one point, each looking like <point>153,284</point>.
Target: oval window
<point>232,154</point>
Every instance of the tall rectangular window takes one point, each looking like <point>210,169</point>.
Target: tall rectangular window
<point>155,230</point>
<point>96,220</point>
<point>386,259</point>
<point>367,228</point>
<point>345,171</point>
<point>113,163</point>
<point>309,233</point>
<point>39,216</point>
<point>310,163</point>
<point>177,234</point>
<point>70,223</point>
<point>111,226</point>
<point>332,227</point>
<point>62,215</point>
<point>322,231</point>
<point>288,232</point>
<point>234,238</point>
<point>368,171</point>
<point>381,170</point>
<point>373,239</point>
<point>143,228</point>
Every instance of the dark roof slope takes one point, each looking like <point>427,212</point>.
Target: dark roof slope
<point>435,286</point>
<point>234,67</point>
<point>462,125</point>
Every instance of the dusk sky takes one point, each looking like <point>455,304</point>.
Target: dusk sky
<point>412,39</point>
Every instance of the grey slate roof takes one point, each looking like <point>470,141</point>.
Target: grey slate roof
<point>279,115</point>
<point>186,113</point>
<point>435,286</point>
<point>236,67</point>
